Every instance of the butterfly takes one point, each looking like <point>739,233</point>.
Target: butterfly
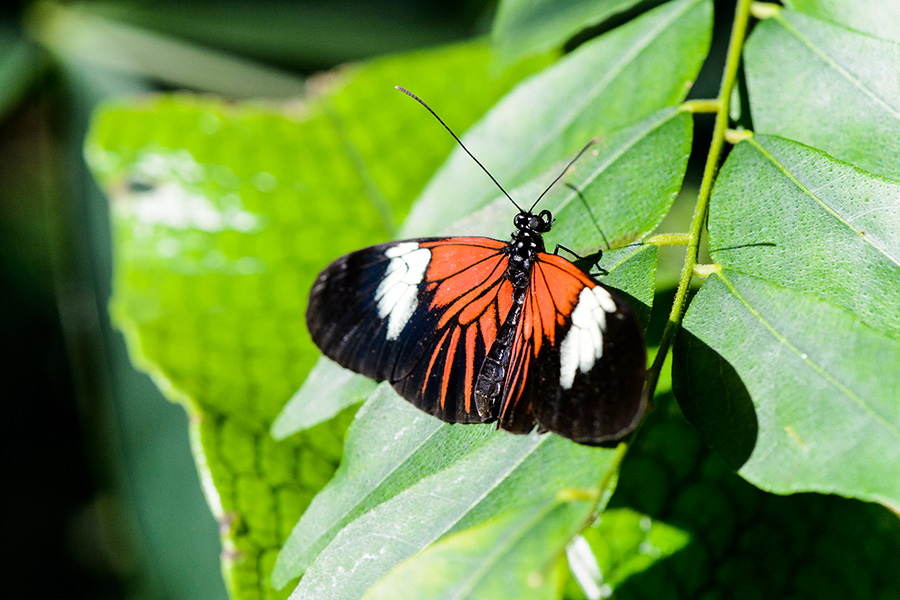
<point>478,330</point>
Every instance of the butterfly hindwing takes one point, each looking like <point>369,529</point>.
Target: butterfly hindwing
<point>592,383</point>
<point>580,348</point>
<point>421,314</point>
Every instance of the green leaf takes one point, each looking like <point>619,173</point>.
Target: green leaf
<point>681,524</point>
<point>392,445</point>
<point>511,556</point>
<point>327,390</point>
<point>222,215</point>
<point>799,218</point>
<point>797,393</point>
<point>880,18</point>
<point>827,86</point>
<point>503,475</point>
<point>632,271</point>
<point>525,27</point>
<point>619,192</point>
<point>643,66</point>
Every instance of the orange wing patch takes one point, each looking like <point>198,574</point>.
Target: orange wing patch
<point>555,285</point>
<point>472,299</point>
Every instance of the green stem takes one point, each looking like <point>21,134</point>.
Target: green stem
<point>692,239</point>
<point>700,106</point>
<point>733,59</point>
<point>670,239</point>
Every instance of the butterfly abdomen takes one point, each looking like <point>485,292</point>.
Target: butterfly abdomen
<point>492,375</point>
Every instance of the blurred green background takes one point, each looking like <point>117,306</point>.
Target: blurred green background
<point>102,496</point>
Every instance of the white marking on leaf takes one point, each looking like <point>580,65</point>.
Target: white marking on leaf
<point>397,295</point>
<point>583,344</point>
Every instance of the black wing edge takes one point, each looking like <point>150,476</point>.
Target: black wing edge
<point>343,320</point>
<point>605,404</point>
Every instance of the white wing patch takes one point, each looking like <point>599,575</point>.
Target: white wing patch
<point>397,294</point>
<point>583,344</point>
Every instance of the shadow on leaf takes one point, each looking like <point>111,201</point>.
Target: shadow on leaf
<point>681,524</point>
<point>714,399</point>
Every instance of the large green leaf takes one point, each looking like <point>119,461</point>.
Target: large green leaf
<point>620,191</point>
<point>827,86</point>
<point>393,446</point>
<point>795,392</point>
<point>504,475</point>
<point>681,524</point>
<point>799,218</point>
<point>878,17</point>
<point>617,193</point>
<point>222,216</point>
<point>524,27</point>
<point>511,556</point>
<point>613,81</point>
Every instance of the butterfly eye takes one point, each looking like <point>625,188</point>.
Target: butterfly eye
<point>521,221</point>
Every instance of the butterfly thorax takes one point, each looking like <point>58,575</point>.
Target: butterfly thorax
<point>526,242</point>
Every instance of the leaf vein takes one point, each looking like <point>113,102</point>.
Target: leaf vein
<point>887,425</point>
<point>837,67</point>
<point>842,219</point>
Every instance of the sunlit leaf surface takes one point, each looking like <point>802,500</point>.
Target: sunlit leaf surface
<point>222,215</point>
<point>827,86</point>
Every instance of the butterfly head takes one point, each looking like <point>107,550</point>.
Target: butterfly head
<point>536,223</point>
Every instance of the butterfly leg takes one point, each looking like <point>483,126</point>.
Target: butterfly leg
<point>585,263</point>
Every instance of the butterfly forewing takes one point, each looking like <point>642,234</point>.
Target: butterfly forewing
<point>421,314</point>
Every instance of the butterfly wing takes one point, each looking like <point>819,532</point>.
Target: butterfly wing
<point>421,314</point>
<point>578,363</point>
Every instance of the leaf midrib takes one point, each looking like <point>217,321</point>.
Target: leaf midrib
<point>837,66</point>
<point>340,519</point>
<point>833,212</point>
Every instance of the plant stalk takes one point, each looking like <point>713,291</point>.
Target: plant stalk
<point>692,239</point>
<point>732,60</point>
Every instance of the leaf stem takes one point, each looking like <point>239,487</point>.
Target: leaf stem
<point>764,10</point>
<point>732,60</point>
<point>691,239</point>
<point>700,106</point>
<point>670,239</point>
<point>733,136</point>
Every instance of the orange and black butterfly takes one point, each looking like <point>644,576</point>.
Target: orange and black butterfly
<point>477,330</point>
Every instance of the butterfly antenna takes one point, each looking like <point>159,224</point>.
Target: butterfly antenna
<point>590,212</point>
<point>560,176</point>
<point>434,114</point>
